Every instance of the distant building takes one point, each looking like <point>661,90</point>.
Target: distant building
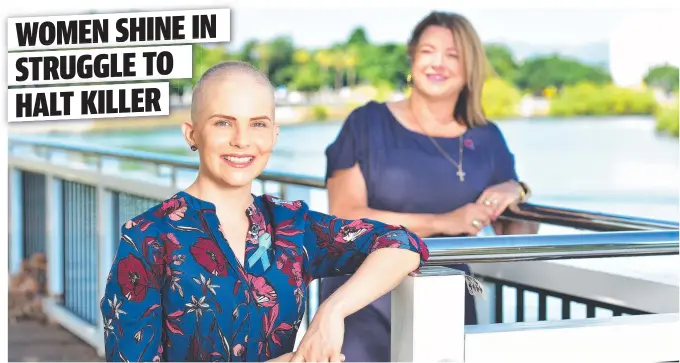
<point>641,41</point>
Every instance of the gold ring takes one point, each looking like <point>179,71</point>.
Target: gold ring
<point>476,223</point>
<point>487,202</point>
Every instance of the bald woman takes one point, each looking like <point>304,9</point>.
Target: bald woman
<point>215,273</point>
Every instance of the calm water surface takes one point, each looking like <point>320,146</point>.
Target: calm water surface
<point>616,165</point>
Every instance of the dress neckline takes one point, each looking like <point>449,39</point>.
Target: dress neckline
<point>401,126</point>
<point>199,203</point>
<point>256,222</point>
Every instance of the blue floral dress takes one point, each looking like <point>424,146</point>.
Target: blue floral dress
<point>177,292</point>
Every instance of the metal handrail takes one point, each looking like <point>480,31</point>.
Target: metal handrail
<point>557,216</point>
<point>591,221</point>
<point>450,250</point>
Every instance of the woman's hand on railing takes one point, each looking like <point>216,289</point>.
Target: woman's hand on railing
<point>323,339</point>
<point>468,219</point>
<point>501,196</point>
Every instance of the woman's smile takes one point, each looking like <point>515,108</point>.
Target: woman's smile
<point>238,160</point>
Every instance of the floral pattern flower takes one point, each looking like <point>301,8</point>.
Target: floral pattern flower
<point>177,291</point>
<point>209,255</point>
<point>174,209</point>
<point>133,278</point>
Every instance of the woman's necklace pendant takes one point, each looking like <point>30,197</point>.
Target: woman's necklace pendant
<point>461,174</point>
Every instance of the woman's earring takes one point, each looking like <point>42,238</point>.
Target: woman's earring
<point>193,148</point>
<point>409,80</point>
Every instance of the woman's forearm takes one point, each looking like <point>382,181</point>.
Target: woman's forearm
<point>381,271</point>
<point>422,224</point>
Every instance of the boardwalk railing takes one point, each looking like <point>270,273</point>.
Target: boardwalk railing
<point>69,201</point>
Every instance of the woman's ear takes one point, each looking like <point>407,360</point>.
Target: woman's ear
<point>188,132</point>
<point>277,129</point>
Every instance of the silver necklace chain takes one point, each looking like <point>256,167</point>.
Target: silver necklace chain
<point>459,165</point>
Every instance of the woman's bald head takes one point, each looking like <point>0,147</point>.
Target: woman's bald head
<point>231,77</point>
<point>232,124</point>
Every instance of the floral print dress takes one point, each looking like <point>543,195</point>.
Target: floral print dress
<point>177,292</point>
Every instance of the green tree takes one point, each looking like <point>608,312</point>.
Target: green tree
<point>665,77</point>
<point>308,78</point>
<point>281,50</point>
<point>540,73</point>
<point>385,63</point>
<point>358,37</point>
<point>501,61</point>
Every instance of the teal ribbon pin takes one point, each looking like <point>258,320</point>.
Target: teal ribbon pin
<point>264,243</point>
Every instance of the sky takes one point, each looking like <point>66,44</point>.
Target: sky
<point>315,27</point>
<point>638,32</point>
<point>311,24</point>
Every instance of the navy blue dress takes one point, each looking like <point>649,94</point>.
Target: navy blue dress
<point>406,173</point>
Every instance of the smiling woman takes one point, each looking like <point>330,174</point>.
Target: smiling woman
<point>215,273</point>
<point>432,162</point>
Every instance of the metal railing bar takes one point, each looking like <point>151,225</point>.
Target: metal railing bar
<point>519,305</point>
<point>451,250</point>
<point>542,306</point>
<point>565,298</point>
<point>566,308</point>
<point>498,302</point>
<point>586,220</point>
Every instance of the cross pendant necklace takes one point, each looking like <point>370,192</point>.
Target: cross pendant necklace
<point>460,173</point>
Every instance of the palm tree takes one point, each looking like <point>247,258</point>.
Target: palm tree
<point>351,58</point>
<point>301,56</point>
<point>325,60</point>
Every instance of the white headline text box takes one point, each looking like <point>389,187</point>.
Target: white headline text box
<point>102,30</point>
<point>88,102</point>
<point>99,65</point>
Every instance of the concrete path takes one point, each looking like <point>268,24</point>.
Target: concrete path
<point>35,342</point>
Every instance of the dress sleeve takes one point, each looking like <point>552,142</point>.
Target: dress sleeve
<point>504,159</point>
<point>338,246</point>
<point>349,147</point>
<point>131,305</point>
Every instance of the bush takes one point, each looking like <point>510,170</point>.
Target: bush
<point>587,98</point>
<point>319,113</point>
<point>667,120</point>
<point>500,98</point>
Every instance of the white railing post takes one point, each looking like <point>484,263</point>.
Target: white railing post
<point>108,234</point>
<point>54,246</point>
<point>16,227</point>
<point>428,317</point>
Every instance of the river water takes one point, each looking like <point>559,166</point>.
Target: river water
<point>617,165</point>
